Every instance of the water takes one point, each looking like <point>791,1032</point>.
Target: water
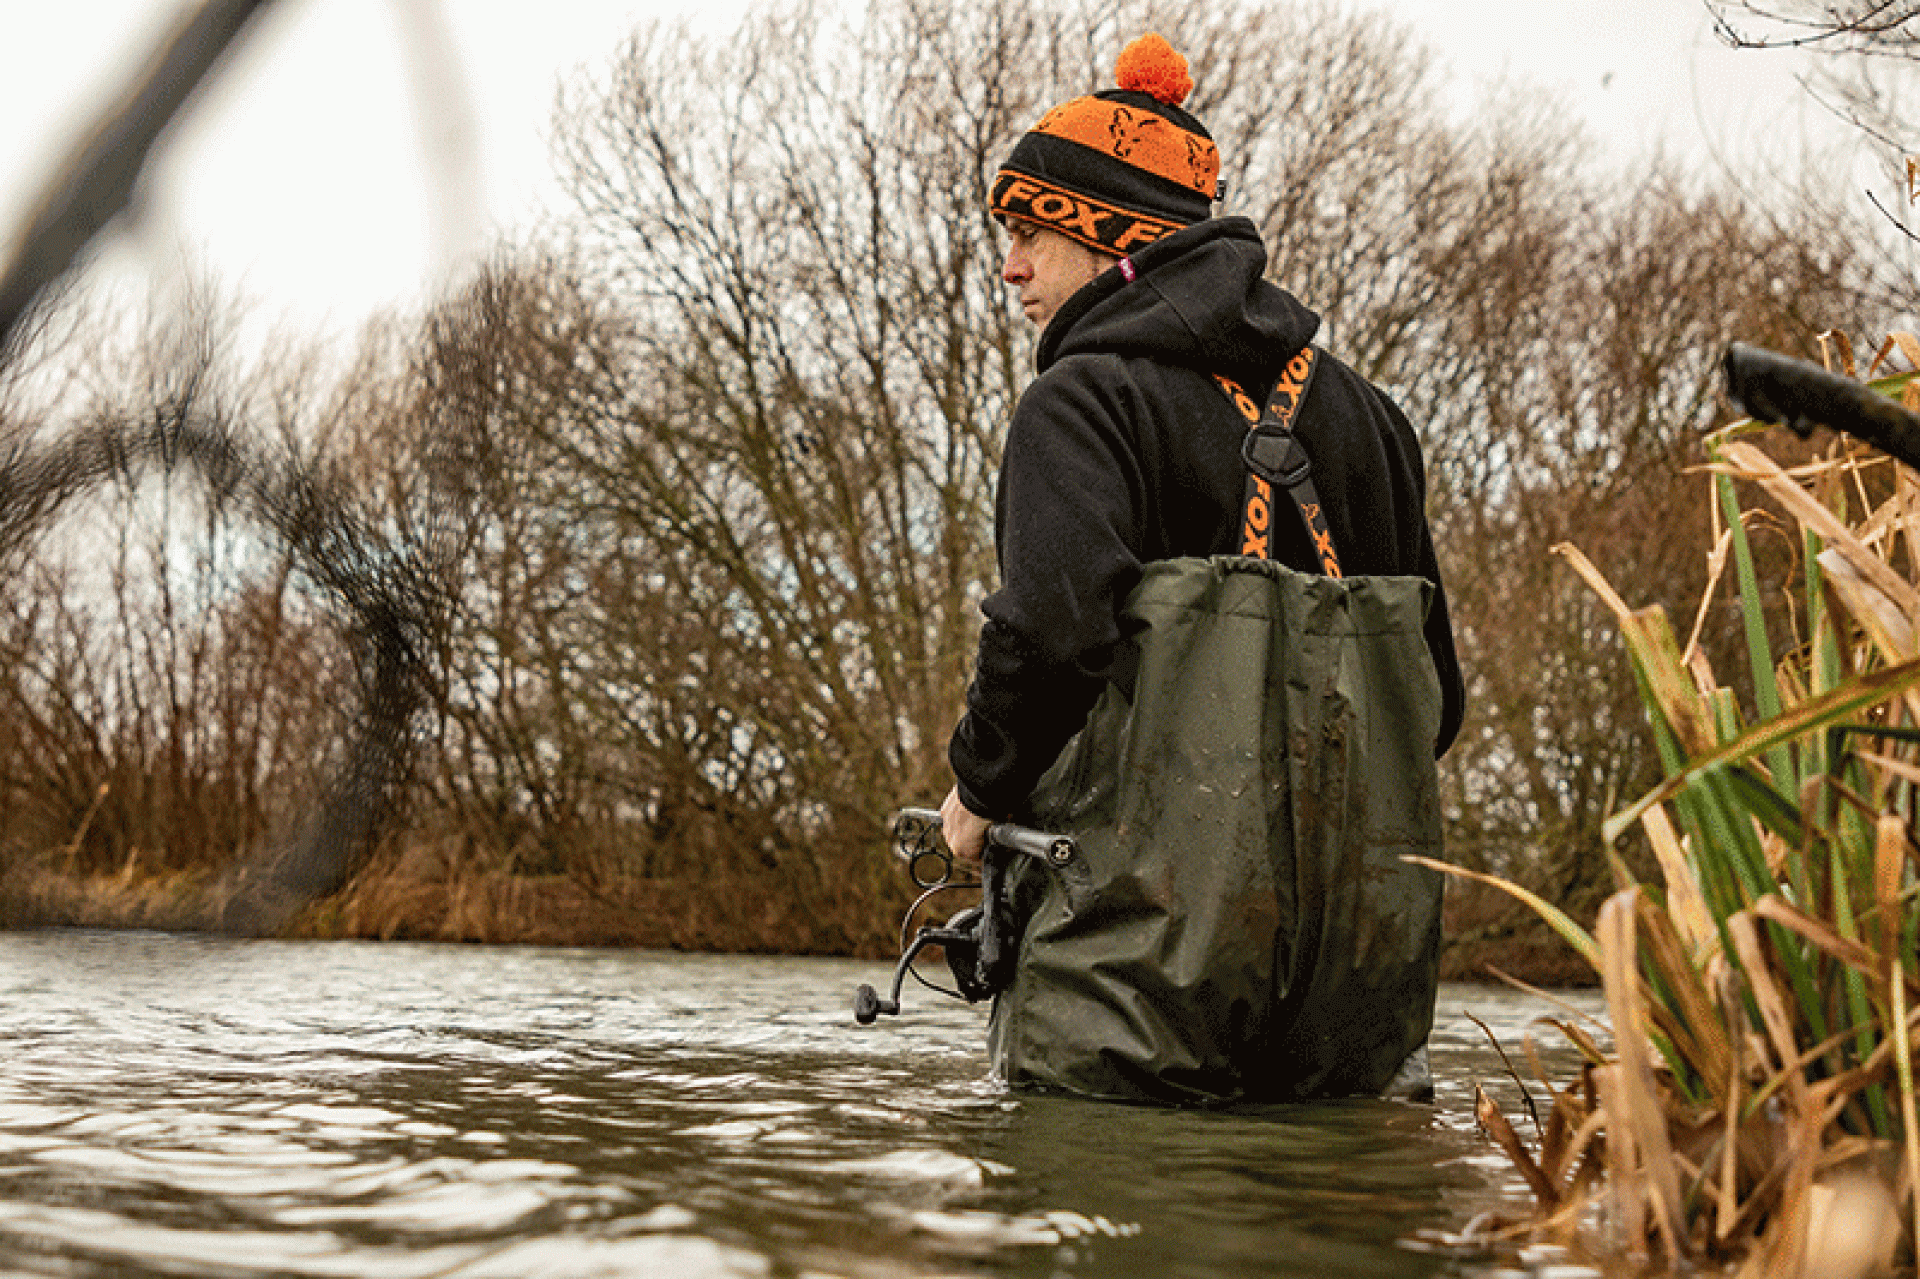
<point>176,1105</point>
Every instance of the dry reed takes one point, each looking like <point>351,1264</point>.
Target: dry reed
<point>1758,1109</point>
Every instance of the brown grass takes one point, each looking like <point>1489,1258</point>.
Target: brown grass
<point>431,893</point>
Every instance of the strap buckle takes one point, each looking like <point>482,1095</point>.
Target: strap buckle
<point>1271,452</point>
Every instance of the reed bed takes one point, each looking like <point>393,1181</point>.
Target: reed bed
<point>1756,1109</point>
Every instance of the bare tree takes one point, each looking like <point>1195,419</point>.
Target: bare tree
<point>162,685</point>
<point>788,433</point>
<point>229,679</point>
<point>1867,77</point>
<point>1882,28</point>
<point>791,451</point>
<point>702,492</point>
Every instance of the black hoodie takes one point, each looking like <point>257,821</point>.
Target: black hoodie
<point>1125,450</point>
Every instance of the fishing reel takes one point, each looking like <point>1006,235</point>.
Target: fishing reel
<point>981,943</point>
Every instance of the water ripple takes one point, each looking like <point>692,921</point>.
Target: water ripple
<point>190,1106</point>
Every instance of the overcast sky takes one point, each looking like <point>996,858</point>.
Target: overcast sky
<point>304,176</point>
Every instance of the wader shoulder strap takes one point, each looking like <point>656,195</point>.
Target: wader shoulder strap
<point>1274,457</point>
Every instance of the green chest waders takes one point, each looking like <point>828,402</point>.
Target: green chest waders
<point>1252,931</point>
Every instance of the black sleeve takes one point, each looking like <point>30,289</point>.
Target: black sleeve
<point>1068,530</point>
<point>1425,563</point>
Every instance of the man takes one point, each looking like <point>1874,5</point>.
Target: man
<point>1235,851</point>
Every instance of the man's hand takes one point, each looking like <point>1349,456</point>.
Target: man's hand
<point>963,829</point>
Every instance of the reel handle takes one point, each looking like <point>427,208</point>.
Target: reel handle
<point>867,1005</point>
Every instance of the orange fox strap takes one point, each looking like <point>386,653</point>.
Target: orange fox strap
<point>1274,457</point>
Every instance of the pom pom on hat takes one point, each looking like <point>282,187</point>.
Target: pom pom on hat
<point>1151,66</point>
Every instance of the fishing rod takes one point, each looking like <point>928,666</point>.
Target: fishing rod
<point>980,942</point>
<point>1801,395</point>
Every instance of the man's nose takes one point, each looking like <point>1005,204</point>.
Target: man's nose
<point>1016,269</point>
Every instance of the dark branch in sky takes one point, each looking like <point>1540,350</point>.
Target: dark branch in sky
<point>1882,27</point>
<point>96,182</point>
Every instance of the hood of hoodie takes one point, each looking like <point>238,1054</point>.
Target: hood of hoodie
<point>1197,299</point>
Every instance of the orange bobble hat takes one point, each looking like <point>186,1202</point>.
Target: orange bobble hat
<point>1119,169</point>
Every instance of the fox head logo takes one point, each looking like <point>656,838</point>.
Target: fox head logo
<point>1203,161</point>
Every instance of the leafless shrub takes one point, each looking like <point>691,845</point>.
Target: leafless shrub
<point>678,528</point>
<point>805,398</point>
<point>178,688</point>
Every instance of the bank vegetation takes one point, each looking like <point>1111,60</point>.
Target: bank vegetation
<point>1757,1109</point>
<point>657,547</point>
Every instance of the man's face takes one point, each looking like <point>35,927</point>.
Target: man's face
<point>1047,268</point>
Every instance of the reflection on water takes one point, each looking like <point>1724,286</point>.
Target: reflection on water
<point>187,1106</point>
